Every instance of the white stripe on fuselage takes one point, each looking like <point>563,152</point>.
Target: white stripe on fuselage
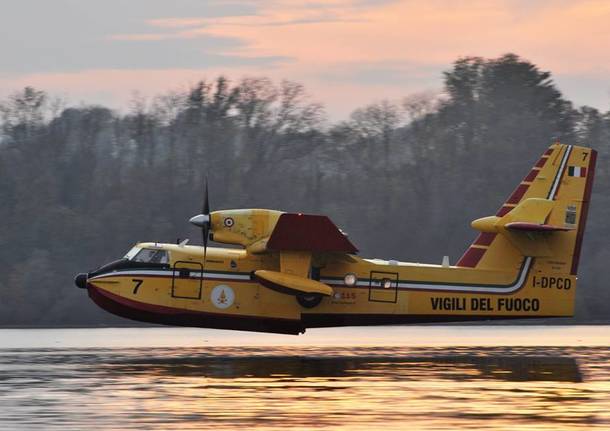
<point>170,272</point>
<point>412,285</point>
<point>402,285</point>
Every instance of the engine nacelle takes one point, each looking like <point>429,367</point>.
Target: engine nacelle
<point>249,228</point>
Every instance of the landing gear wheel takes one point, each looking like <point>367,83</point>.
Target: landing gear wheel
<point>309,300</point>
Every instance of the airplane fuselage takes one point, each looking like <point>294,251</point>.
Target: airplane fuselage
<point>226,295</point>
<point>295,271</point>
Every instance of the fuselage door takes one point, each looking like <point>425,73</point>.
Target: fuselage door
<point>383,287</point>
<point>187,280</point>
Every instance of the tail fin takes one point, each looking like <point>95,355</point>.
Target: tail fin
<point>544,217</point>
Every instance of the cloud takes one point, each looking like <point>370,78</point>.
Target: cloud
<point>68,35</point>
<point>384,73</point>
<point>346,52</point>
<point>402,43</point>
<point>436,31</point>
<point>139,53</point>
<point>177,23</point>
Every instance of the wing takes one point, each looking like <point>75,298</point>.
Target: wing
<point>298,238</point>
<point>313,233</point>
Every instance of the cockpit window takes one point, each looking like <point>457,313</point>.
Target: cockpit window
<point>160,257</point>
<point>152,256</point>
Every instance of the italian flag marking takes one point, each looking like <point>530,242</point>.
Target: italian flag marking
<point>577,171</point>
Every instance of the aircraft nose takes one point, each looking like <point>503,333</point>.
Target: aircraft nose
<point>81,280</point>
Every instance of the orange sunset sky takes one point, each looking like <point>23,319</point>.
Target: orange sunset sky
<point>346,52</point>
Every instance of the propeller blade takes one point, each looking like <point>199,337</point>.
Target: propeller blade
<point>205,231</point>
<point>204,221</point>
<point>205,227</point>
<point>206,200</point>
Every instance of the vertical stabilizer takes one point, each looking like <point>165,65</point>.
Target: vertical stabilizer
<point>544,216</point>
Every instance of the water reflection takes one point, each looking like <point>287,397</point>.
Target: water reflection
<point>462,367</point>
<point>303,387</point>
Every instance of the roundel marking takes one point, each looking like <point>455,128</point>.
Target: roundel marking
<point>229,222</point>
<point>222,296</point>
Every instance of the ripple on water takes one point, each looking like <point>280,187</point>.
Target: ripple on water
<point>302,387</point>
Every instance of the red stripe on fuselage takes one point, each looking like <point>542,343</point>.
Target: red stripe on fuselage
<point>162,309</point>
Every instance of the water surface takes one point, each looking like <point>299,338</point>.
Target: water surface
<point>425,378</point>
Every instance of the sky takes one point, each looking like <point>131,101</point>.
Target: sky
<point>347,53</point>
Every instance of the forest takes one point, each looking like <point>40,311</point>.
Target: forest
<point>79,185</point>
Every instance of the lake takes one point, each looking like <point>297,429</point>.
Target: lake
<point>396,377</point>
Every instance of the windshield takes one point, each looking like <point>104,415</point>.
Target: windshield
<point>137,254</point>
<point>152,256</point>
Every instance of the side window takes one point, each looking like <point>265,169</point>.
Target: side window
<point>144,255</point>
<point>160,256</point>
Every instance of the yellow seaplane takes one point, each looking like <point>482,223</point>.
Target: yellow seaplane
<point>296,271</point>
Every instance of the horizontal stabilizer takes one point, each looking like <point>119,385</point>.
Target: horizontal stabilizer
<point>535,227</point>
<point>291,284</point>
<point>303,232</point>
<point>524,225</point>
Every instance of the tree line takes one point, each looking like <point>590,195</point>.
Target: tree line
<point>79,185</point>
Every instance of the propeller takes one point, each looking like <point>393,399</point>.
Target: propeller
<point>203,220</point>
